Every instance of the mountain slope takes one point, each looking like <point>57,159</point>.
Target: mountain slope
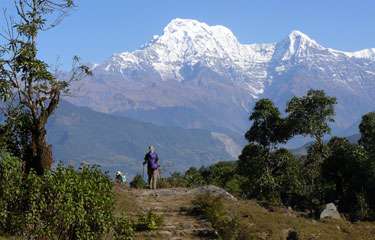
<point>205,71</point>
<point>79,134</point>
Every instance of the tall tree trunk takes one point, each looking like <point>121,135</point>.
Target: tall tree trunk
<point>41,151</point>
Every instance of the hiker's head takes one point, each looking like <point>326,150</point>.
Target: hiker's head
<point>151,148</point>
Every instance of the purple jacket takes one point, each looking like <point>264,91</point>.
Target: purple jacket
<point>152,160</point>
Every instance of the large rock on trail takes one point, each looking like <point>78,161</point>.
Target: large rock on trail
<point>213,190</point>
<point>330,211</point>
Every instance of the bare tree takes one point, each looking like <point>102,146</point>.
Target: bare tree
<point>30,91</point>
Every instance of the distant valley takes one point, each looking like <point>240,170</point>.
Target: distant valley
<point>80,135</point>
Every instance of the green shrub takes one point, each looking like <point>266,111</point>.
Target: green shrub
<point>11,194</point>
<point>61,204</point>
<point>194,178</point>
<point>69,204</point>
<point>138,182</point>
<point>123,228</point>
<point>175,180</point>
<point>226,223</point>
<point>149,222</point>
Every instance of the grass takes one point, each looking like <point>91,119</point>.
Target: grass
<point>254,222</point>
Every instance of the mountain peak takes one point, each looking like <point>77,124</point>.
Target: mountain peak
<point>298,39</point>
<point>187,40</point>
<point>298,34</point>
<point>190,29</point>
<point>296,43</point>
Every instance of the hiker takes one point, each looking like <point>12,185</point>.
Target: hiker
<point>152,161</point>
<point>120,178</point>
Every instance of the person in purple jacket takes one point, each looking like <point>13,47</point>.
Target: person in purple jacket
<point>152,161</point>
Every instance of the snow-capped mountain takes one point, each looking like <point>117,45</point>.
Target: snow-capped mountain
<point>199,76</point>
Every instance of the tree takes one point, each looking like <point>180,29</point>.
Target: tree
<point>28,88</point>
<point>274,177</point>
<point>347,169</point>
<point>311,114</point>
<point>367,129</point>
<point>286,169</point>
<point>268,128</point>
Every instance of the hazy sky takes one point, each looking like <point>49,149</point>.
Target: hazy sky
<point>98,28</point>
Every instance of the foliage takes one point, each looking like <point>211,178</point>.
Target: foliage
<point>311,114</point>
<point>11,194</point>
<point>149,222</point>
<point>226,223</point>
<point>268,127</point>
<point>218,174</point>
<point>29,89</point>
<point>273,177</point>
<point>338,172</point>
<point>176,179</point>
<point>123,228</point>
<point>61,204</point>
<point>138,182</point>
<point>194,178</point>
<point>69,204</point>
<point>367,129</point>
<point>347,169</point>
<point>313,192</point>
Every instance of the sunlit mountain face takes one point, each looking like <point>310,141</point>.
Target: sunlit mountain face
<point>198,76</point>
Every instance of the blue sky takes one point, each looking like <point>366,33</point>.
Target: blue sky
<point>98,28</point>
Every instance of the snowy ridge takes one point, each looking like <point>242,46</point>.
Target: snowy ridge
<point>204,74</point>
<point>189,43</point>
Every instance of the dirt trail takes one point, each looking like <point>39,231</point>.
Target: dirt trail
<point>173,204</point>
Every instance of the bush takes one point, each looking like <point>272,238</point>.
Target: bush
<point>226,223</point>
<point>11,194</point>
<point>61,204</point>
<point>123,229</point>
<point>193,177</point>
<point>175,180</point>
<point>138,182</point>
<point>69,204</point>
<point>149,222</point>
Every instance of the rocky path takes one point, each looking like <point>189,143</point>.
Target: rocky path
<point>173,205</point>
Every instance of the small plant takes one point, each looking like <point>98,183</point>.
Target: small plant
<point>138,182</point>
<point>174,180</point>
<point>149,222</point>
<point>123,228</point>
<point>227,224</point>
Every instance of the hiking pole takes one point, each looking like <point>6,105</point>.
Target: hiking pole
<point>143,172</point>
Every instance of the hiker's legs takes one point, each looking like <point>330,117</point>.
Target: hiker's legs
<point>154,179</point>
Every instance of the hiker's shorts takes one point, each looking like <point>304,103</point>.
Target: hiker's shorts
<point>153,176</point>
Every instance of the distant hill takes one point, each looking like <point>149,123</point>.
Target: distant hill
<point>79,134</point>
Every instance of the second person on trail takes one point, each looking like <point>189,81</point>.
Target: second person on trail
<point>152,161</point>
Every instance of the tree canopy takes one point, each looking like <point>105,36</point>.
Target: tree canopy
<point>29,88</point>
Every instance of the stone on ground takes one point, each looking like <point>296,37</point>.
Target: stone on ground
<point>330,211</point>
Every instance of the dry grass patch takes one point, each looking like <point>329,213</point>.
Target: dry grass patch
<point>255,222</point>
